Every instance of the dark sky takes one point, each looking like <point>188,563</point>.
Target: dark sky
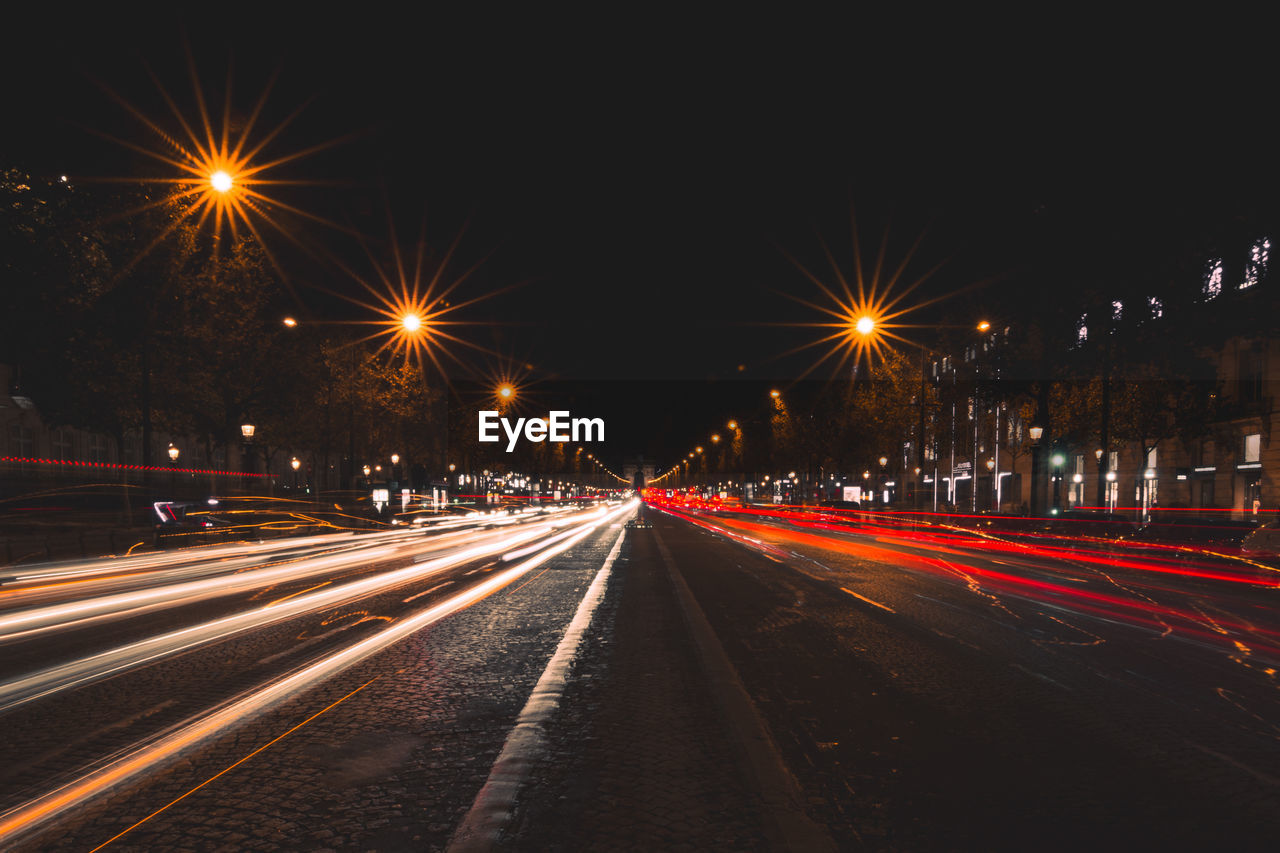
<point>639,178</point>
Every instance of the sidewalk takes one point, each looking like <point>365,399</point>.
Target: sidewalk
<point>646,753</point>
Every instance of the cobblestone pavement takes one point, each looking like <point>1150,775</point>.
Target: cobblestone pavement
<point>392,767</point>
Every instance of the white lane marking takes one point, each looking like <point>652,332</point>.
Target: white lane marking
<point>1041,676</point>
<point>527,741</point>
<point>427,591</point>
<point>869,601</point>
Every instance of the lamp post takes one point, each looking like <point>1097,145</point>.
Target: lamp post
<point>173,463</point>
<point>295,465</point>
<point>1102,476</point>
<point>246,433</point>
<point>995,485</point>
<point>1036,507</point>
<point>1057,460</point>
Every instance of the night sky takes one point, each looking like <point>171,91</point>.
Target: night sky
<point>637,180</point>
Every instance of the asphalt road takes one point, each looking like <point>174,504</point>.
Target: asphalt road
<point>934,689</point>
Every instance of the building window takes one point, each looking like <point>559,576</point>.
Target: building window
<point>1156,305</point>
<point>1151,458</point>
<point>1213,279</point>
<point>1253,448</point>
<point>21,440</point>
<point>1117,311</point>
<point>1250,373</point>
<point>1076,493</point>
<point>1256,269</point>
<point>63,445</point>
<point>1082,329</point>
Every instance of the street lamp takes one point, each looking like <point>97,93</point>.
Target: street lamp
<point>173,461</point>
<point>246,432</point>
<point>295,465</point>
<point>221,181</point>
<point>1057,459</point>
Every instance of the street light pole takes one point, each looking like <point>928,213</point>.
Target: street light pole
<point>1036,506</point>
<point>1057,460</point>
<point>246,433</point>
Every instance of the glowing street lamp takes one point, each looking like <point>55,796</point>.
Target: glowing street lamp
<point>246,432</point>
<point>1057,459</point>
<point>866,325</point>
<point>173,453</point>
<point>775,393</point>
<point>983,326</point>
<point>290,322</point>
<point>395,458</point>
<point>221,181</point>
<point>732,424</point>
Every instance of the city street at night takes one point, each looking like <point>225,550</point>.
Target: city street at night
<point>530,430</point>
<point>732,672</point>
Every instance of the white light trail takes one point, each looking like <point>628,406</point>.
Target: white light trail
<point>181,740</point>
